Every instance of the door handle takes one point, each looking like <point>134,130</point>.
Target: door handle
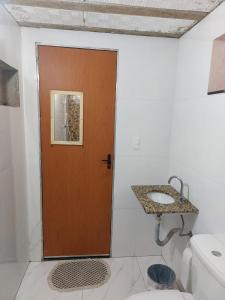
<point>108,161</point>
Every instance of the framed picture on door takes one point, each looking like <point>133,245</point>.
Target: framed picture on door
<point>66,117</point>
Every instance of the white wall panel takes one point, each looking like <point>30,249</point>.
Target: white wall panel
<point>143,63</point>
<point>198,133</point>
<point>13,205</point>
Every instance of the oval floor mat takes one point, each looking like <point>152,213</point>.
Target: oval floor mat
<point>79,274</point>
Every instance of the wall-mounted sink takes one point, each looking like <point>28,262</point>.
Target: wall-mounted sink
<point>164,199</point>
<point>161,198</point>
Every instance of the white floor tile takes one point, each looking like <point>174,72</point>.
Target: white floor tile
<point>35,285</point>
<point>125,280</point>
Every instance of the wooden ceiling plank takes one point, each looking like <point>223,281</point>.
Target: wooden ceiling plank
<point>98,29</point>
<point>113,9</point>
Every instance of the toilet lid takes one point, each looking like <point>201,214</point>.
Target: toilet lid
<point>162,295</point>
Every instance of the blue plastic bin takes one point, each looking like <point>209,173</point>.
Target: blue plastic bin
<point>162,276</point>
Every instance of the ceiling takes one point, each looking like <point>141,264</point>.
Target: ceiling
<point>162,18</point>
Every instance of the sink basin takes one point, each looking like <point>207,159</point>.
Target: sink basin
<point>161,198</point>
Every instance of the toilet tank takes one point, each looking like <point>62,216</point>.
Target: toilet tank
<point>208,267</point>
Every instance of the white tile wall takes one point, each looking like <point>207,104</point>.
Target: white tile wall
<point>7,220</point>
<point>142,170</point>
<point>123,241</point>
<point>198,131</point>
<point>134,117</point>
<point>13,212</point>
<point>5,139</point>
<point>133,233</point>
<point>145,86</point>
<point>145,234</point>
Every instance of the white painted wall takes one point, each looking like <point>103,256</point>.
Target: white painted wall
<point>13,214</point>
<point>198,132</point>
<point>146,72</point>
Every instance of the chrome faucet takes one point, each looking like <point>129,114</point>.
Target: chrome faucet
<point>181,186</point>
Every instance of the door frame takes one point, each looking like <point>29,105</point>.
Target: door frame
<point>37,44</point>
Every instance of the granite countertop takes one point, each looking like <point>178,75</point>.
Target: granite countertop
<point>152,207</point>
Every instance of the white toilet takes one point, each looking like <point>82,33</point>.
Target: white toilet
<point>206,272</point>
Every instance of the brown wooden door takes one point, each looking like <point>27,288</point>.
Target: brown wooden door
<point>76,184</point>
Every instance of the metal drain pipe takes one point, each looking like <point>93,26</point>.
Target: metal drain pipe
<point>162,243</point>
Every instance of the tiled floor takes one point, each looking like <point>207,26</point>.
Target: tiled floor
<point>128,276</point>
